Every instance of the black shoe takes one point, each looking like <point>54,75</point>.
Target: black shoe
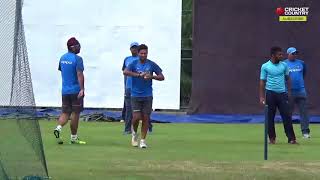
<point>57,135</point>
<point>272,141</point>
<point>293,142</point>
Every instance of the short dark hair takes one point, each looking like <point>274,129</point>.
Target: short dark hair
<point>275,49</point>
<point>142,46</point>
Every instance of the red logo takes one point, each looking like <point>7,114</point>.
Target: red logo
<point>280,11</point>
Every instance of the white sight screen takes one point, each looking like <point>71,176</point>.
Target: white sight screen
<point>105,29</point>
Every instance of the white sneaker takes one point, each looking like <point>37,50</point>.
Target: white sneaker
<point>143,143</point>
<point>134,139</point>
<point>306,136</point>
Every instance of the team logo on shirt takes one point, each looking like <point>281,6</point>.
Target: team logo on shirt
<point>295,69</point>
<point>139,70</point>
<point>148,70</point>
<point>66,62</point>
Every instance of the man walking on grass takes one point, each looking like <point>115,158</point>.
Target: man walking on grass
<point>71,67</point>
<point>142,73</point>
<point>128,86</point>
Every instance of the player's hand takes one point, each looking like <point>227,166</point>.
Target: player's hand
<point>148,76</point>
<point>81,94</point>
<point>142,74</point>
<point>262,101</point>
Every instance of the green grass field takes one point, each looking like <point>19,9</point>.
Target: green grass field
<point>181,151</point>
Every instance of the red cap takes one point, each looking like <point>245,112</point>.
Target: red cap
<point>72,42</point>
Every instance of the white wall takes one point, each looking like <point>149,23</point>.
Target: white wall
<point>105,28</point>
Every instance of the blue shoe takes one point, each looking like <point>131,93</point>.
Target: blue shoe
<point>126,132</point>
<point>150,130</point>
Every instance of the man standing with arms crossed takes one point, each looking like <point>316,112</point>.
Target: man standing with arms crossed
<point>141,72</point>
<point>71,67</point>
<point>297,72</point>
<point>272,89</point>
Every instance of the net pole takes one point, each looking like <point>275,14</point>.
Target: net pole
<point>266,132</point>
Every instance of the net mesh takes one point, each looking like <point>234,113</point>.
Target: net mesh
<point>21,148</point>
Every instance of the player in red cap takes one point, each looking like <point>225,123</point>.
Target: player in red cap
<point>71,67</point>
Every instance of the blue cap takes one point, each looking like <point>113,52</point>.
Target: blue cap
<point>134,44</point>
<point>291,50</point>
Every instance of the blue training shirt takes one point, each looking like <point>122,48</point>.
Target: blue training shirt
<point>274,75</point>
<point>127,79</point>
<point>69,64</point>
<point>297,70</point>
<point>140,86</point>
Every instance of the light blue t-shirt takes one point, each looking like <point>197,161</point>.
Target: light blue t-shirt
<point>69,64</point>
<point>140,86</point>
<point>127,79</point>
<point>275,76</point>
<point>297,70</point>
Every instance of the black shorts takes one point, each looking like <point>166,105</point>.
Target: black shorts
<point>71,103</point>
<point>142,104</point>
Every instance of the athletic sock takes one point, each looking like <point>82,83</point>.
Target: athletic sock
<point>74,137</point>
<point>59,128</point>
